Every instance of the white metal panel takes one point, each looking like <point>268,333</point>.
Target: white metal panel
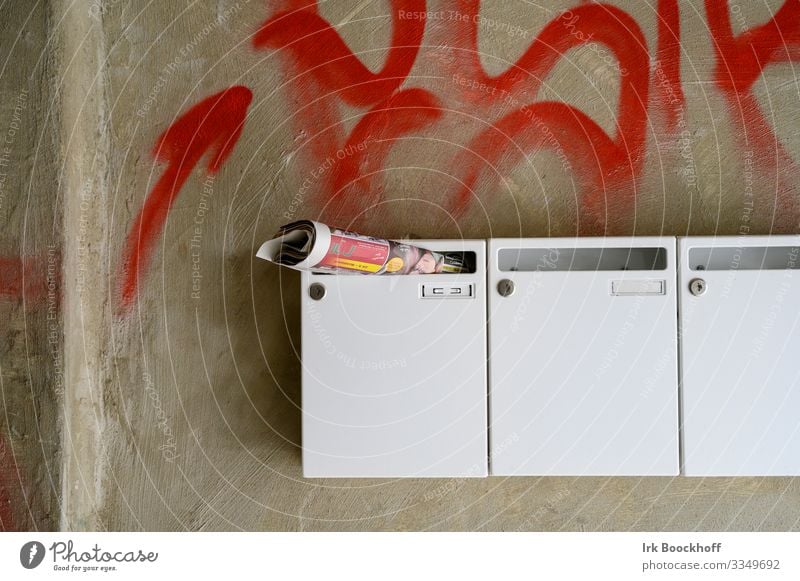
<point>394,383</point>
<point>583,380</point>
<point>740,356</point>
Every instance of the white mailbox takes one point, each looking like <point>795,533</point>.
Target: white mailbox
<point>583,356</point>
<point>394,372</point>
<point>740,355</point>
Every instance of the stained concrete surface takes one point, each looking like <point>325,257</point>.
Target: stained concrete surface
<point>31,351</point>
<point>182,412</point>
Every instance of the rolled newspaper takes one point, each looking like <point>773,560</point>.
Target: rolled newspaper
<point>308,245</point>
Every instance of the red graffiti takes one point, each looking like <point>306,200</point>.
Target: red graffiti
<point>12,277</point>
<point>371,140</point>
<point>27,278</point>
<point>211,126</point>
<point>583,145</point>
<point>602,163</point>
<point>326,80</point>
<point>321,80</point>
<point>320,52</point>
<point>669,91</point>
<point>741,61</point>
<point>338,74</point>
<point>9,483</point>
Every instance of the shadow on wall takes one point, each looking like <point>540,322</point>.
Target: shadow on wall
<point>271,388</point>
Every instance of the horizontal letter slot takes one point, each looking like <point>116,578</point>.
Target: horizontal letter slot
<point>581,259</point>
<point>745,258</point>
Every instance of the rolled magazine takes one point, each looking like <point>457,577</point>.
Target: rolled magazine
<point>313,246</point>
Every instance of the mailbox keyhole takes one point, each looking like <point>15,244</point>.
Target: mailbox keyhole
<point>697,286</point>
<point>317,291</point>
<point>505,287</point>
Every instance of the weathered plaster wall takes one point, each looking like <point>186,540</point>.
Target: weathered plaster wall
<point>31,362</point>
<point>86,182</point>
<point>195,129</point>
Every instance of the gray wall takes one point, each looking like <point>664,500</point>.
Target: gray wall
<point>31,352</point>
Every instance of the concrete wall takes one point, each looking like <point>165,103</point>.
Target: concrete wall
<point>192,132</point>
<point>31,354</point>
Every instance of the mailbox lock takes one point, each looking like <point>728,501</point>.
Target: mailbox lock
<point>316,291</point>
<point>505,287</point>
<point>697,286</point>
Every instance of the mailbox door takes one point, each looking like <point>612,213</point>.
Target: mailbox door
<point>583,357</point>
<point>394,373</point>
<point>740,354</point>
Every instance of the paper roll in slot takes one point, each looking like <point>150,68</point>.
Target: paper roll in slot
<point>313,246</point>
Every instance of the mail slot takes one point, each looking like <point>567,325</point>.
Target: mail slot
<point>394,372</point>
<point>583,356</point>
<point>740,341</point>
